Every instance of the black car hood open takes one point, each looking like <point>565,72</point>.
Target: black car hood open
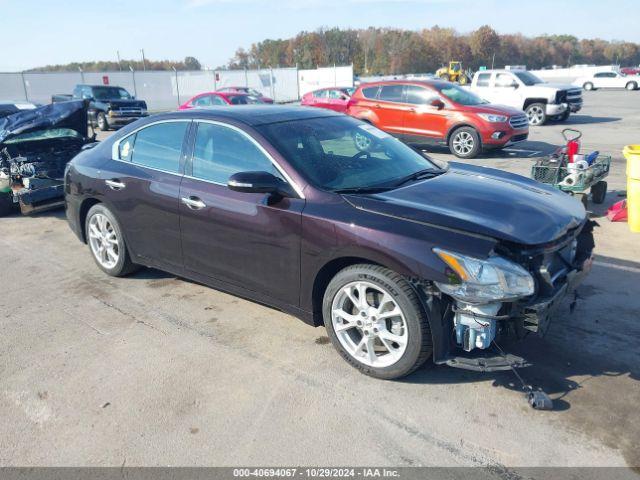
<point>71,115</point>
<point>483,201</point>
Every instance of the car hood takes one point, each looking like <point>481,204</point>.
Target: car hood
<point>555,86</point>
<point>72,115</point>
<point>494,109</point>
<point>125,103</point>
<point>482,201</point>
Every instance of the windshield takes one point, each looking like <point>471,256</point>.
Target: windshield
<point>341,153</point>
<point>110,93</point>
<point>44,135</point>
<point>242,99</point>
<point>460,95</point>
<point>528,78</point>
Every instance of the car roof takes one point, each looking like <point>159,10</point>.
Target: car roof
<point>253,115</point>
<point>428,83</point>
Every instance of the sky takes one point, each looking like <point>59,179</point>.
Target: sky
<point>38,32</point>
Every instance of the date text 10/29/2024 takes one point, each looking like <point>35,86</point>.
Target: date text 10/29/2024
<point>316,472</point>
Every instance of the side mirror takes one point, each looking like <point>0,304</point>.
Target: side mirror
<point>259,182</point>
<point>515,85</point>
<point>439,104</point>
<point>344,97</point>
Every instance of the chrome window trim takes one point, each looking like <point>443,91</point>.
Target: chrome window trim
<point>273,161</point>
<point>115,151</point>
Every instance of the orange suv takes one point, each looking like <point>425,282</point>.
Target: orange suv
<point>428,112</point>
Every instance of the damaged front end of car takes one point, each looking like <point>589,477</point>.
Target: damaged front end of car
<point>35,147</point>
<point>513,292</point>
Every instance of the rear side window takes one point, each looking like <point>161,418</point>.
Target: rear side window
<point>370,92</point>
<point>483,79</point>
<point>320,94</point>
<point>158,146</point>
<point>391,93</point>
<point>222,151</point>
<point>203,101</point>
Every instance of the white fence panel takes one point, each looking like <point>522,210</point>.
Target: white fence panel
<point>310,80</point>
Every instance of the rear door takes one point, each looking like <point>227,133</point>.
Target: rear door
<point>238,238</point>
<point>391,108</point>
<point>421,118</point>
<point>143,186</point>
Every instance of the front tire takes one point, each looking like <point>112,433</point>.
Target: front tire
<point>103,123</point>
<point>465,143</point>
<point>375,320</point>
<point>106,242</point>
<point>536,113</point>
<point>588,86</point>
<point>631,86</point>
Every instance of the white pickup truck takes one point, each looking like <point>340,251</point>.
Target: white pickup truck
<point>541,101</point>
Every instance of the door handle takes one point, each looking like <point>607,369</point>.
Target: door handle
<point>412,110</point>
<point>377,105</point>
<point>194,203</point>
<point>115,184</point>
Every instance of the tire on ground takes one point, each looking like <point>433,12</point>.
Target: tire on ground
<point>124,266</point>
<point>419,343</point>
<point>103,123</point>
<point>536,113</point>
<point>465,134</point>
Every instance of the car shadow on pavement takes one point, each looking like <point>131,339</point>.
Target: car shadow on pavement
<point>586,119</point>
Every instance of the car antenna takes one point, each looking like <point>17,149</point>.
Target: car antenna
<point>537,399</point>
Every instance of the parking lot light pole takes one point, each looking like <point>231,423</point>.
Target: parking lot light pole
<point>177,84</point>
<point>24,85</point>
<point>133,76</point>
<point>81,75</point>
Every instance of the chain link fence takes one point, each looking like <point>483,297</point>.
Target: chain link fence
<point>165,90</point>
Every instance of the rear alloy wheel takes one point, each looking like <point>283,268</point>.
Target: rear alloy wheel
<point>536,114</point>
<point>588,86</point>
<point>631,86</point>
<point>375,320</point>
<point>106,242</point>
<point>465,143</point>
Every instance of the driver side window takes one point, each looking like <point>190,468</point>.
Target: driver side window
<point>220,152</point>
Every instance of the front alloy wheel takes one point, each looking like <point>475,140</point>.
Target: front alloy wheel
<point>376,321</point>
<point>536,114</point>
<point>369,324</point>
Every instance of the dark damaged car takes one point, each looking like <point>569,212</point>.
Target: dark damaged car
<point>334,221</point>
<point>35,147</point>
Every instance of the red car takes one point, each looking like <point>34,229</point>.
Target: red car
<point>331,98</point>
<point>630,70</point>
<point>435,111</point>
<point>213,99</point>
<point>249,91</point>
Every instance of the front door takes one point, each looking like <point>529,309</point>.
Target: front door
<point>238,238</point>
<point>423,119</point>
<point>143,187</point>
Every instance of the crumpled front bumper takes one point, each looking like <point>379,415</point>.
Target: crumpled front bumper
<point>533,317</point>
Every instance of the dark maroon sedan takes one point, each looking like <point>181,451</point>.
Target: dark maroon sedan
<point>334,221</point>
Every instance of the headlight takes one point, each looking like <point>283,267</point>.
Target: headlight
<point>494,118</point>
<point>473,280</point>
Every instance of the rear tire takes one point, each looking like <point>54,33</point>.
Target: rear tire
<point>106,242</point>
<point>465,143</point>
<point>631,86</point>
<point>536,113</point>
<point>390,320</point>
